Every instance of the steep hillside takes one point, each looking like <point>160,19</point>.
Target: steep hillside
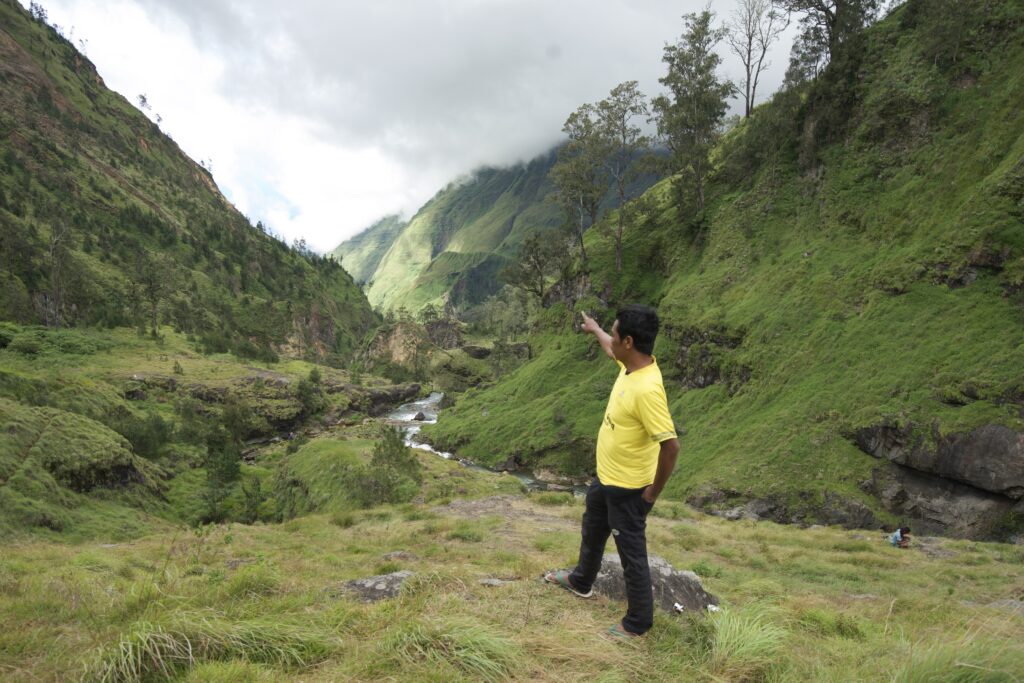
<point>361,255</point>
<point>843,326</point>
<point>456,245</point>
<point>104,221</point>
<point>466,227</point>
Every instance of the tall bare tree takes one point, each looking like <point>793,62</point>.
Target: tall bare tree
<point>624,144</point>
<point>753,27</point>
<point>58,254</point>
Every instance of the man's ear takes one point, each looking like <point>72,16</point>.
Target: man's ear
<point>627,341</point>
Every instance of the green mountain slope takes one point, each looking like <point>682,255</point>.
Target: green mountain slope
<point>868,288</point>
<point>467,222</point>
<point>361,255</point>
<point>104,221</point>
<point>455,246</point>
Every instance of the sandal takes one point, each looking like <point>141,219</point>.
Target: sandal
<point>560,577</point>
<point>617,632</point>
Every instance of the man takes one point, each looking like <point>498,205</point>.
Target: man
<point>637,449</point>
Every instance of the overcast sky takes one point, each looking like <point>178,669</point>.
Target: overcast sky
<point>321,117</point>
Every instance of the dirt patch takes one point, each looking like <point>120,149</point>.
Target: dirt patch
<point>512,508</point>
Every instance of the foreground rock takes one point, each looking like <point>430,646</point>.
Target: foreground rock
<point>671,586</point>
<point>376,588</point>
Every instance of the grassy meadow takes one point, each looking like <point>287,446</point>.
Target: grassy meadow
<point>265,603</point>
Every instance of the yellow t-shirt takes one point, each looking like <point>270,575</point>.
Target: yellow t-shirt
<point>635,422</point>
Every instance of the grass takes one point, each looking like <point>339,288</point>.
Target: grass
<point>262,602</point>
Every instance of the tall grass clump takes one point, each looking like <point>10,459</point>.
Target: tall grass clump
<point>970,660</point>
<point>155,650</point>
<point>471,649</point>
<point>744,642</point>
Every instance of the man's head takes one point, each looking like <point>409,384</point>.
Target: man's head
<point>634,330</point>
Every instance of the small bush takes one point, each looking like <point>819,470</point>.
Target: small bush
<point>553,498</point>
<point>745,643</point>
<point>705,569</point>
<point>253,581</point>
<point>343,519</point>
<point>464,532</point>
<point>830,624</point>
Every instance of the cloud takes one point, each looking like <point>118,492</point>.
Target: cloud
<point>321,117</point>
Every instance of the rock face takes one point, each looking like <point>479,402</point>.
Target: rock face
<point>934,505</point>
<point>379,587</point>
<point>990,458</point>
<point>478,352</point>
<point>832,508</point>
<point>670,585</point>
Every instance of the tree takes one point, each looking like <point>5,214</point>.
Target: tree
<point>754,26</point>
<point>38,12</point>
<point>154,278</point>
<point>394,474</point>
<point>623,143</point>
<point>223,463</point>
<point>58,256</point>
<point>826,26</point>
<point>536,261</point>
<point>690,117</point>
<point>579,175</point>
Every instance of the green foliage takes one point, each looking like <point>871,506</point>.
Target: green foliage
<point>744,643</point>
<point>467,649</point>
<point>690,117</point>
<point>104,222</point>
<point>148,650</point>
<point>223,468</point>
<point>394,474</point>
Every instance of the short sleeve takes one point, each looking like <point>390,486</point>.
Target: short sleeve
<point>652,407</point>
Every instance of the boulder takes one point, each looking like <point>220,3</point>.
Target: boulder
<point>376,588</point>
<point>135,394</point>
<point>419,417</point>
<point>478,352</point>
<point>670,585</point>
<point>934,505</point>
<point>990,457</point>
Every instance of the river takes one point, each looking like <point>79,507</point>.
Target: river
<point>404,417</point>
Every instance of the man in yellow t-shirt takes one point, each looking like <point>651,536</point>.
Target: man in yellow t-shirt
<point>637,449</point>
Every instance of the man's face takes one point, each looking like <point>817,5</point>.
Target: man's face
<point>620,346</point>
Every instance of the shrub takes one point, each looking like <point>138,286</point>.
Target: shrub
<point>394,474</point>
<point>745,643</point>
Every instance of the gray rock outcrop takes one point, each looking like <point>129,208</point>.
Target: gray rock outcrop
<point>670,585</point>
<point>990,458</point>
<point>374,588</point>
<point>935,505</point>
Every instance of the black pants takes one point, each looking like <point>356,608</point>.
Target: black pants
<point>623,514</point>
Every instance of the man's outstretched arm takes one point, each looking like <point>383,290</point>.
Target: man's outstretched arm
<point>590,325</point>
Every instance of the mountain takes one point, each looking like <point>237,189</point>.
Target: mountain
<point>842,326</point>
<point>456,245</point>
<point>361,255</point>
<point>105,221</point>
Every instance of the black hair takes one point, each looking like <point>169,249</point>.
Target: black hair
<point>641,323</point>
<point>904,530</point>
